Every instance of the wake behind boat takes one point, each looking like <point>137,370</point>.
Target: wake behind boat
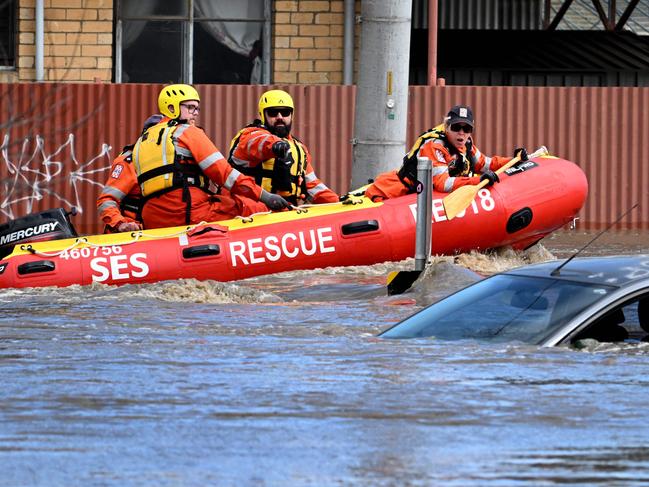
<point>532,200</point>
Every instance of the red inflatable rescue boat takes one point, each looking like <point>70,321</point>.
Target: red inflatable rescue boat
<point>532,200</point>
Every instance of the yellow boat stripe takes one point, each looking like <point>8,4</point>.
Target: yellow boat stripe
<point>258,220</point>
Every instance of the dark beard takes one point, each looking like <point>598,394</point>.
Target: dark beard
<point>280,130</point>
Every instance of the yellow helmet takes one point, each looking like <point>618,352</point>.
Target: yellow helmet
<point>173,95</point>
<point>274,98</point>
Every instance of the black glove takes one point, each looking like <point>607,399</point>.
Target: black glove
<point>273,201</point>
<point>523,153</point>
<point>281,149</point>
<point>490,176</point>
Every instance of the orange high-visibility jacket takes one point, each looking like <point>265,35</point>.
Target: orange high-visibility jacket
<point>433,145</point>
<point>121,184</point>
<point>169,208</point>
<point>251,153</point>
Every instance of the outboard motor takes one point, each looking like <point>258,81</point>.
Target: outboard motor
<point>45,225</point>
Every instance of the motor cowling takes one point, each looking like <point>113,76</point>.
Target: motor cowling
<point>45,225</point>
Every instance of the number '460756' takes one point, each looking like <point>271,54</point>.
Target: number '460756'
<point>88,252</point>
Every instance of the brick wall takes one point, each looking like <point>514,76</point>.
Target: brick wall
<point>308,40</point>
<point>78,40</point>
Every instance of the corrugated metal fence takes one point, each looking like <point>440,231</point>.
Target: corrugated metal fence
<point>58,139</point>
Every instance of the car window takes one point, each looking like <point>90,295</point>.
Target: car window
<point>626,321</point>
<point>502,308</point>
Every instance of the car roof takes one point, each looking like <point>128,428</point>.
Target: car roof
<point>616,270</point>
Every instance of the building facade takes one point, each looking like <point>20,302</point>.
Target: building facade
<point>158,41</point>
<point>558,42</point>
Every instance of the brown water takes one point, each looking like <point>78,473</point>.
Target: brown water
<point>280,381</point>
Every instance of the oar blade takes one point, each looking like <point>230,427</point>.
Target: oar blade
<point>457,201</point>
<point>400,281</point>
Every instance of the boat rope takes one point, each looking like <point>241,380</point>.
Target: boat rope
<point>298,209</point>
<point>302,208</point>
<point>141,233</point>
<point>137,235</point>
<point>32,250</point>
<point>251,218</point>
<point>352,201</point>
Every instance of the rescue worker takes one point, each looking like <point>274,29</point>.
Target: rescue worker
<point>120,199</point>
<point>456,160</point>
<point>174,162</point>
<point>279,162</point>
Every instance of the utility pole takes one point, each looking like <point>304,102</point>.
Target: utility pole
<point>381,113</point>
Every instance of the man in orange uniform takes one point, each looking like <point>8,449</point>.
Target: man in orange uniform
<point>119,202</point>
<point>456,160</point>
<point>174,162</point>
<point>278,161</point>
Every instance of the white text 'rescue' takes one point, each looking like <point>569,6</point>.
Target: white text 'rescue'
<point>290,245</point>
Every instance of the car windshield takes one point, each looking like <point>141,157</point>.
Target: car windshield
<point>504,307</point>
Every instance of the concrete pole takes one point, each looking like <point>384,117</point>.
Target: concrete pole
<point>382,90</point>
<point>348,50</point>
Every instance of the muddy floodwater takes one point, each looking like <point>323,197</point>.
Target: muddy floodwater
<point>280,381</point>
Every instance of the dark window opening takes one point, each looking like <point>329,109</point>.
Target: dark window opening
<point>219,43</point>
<point>8,32</point>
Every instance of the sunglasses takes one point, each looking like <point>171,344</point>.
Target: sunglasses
<point>456,127</point>
<point>191,108</point>
<point>273,112</point>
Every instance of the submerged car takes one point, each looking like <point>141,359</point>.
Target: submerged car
<point>553,303</point>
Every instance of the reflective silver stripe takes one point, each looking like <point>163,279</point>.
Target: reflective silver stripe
<point>165,161</point>
<point>210,160</point>
<point>107,204</point>
<point>260,144</point>
<point>487,164</point>
<point>232,178</point>
<point>180,129</point>
<point>114,192</point>
<point>448,185</point>
<point>240,162</point>
<point>316,190</point>
<point>182,152</point>
<point>310,177</point>
<point>437,170</point>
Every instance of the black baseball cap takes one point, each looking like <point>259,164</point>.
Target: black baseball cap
<point>460,114</point>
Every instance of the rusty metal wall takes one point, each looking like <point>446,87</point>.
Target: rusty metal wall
<point>58,139</point>
<point>323,120</point>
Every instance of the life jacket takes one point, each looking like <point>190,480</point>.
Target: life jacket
<point>283,177</point>
<point>159,167</point>
<point>463,165</point>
